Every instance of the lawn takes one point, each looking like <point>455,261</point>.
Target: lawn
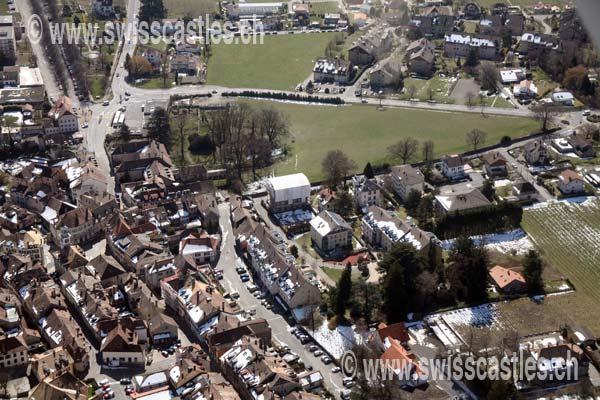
<point>364,133</point>
<point>194,8</point>
<point>567,235</point>
<point>439,88</point>
<point>325,7</point>
<point>281,62</point>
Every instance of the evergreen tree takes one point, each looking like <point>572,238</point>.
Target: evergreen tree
<point>159,127</point>
<point>532,271</point>
<point>472,58</point>
<point>368,171</point>
<point>468,270</point>
<point>344,291</point>
<point>411,203</point>
<point>488,189</point>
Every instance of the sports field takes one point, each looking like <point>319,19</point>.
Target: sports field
<point>281,62</point>
<point>567,235</point>
<point>364,133</point>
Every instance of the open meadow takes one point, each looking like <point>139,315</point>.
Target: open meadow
<point>365,133</point>
<point>281,62</point>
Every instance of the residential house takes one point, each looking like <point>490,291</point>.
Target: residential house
<point>188,45</point>
<point>382,229</point>
<point>366,192</point>
<point>396,331</point>
<point>433,22</point>
<point>301,14</point>
<point>536,153</point>
<point>403,364</point>
<point>203,248</point>
<point>121,347</point>
<point>494,164</point>
<point>507,281</point>
<point>186,64</point>
<point>371,46</point>
<point>191,364</point>
<point>153,56</point>
<point>420,57</point>
<point>330,20</point>
<point>583,147</point>
<point>330,233</point>
<point>13,351</point>
<point>570,182</point>
<point>51,363</point>
<point>162,330</point>
<point>525,89</point>
<point>524,190</point>
<point>288,192</point>
<point>405,179</point>
<point>467,200</point>
<point>8,41</point>
<point>511,76</point>
<point>76,226</point>
<point>230,329</point>
<point>332,70</point>
<point>453,167</point>
<point>471,10</point>
<point>326,199</point>
<point>459,46</point>
<point>563,98</point>
<point>386,73</point>
<point>103,8</point>
<point>62,117</point>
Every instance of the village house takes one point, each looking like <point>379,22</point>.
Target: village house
<point>121,347</point>
<point>524,190</point>
<point>507,281</point>
<point>453,167</point>
<point>62,117</point>
<point>570,182</point>
<point>366,192</point>
<point>162,330</point>
<point>420,57</point>
<point>188,45</point>
<point>536,153</point>
<point>494,164</point>
<point>203,248</point>
<point>191,364</point>
<point>332,70</point>
<point>525,89</point>
<point>403,364</point>
<point>371,46</point>
<point>459,46</point>
<point>230,329</point>
<point>563,98</point>
<point>583,147</point>
<point>406,178</point>
<point>13,351</point>
<point>51,363</point>
<point>103,8</point>
<point>460,201</point>
<point>386,73</point>
<point>186,64</point>
<point>511,76</point>
<point>326,199</point>
<point>433,22</point>
<point>330,233</point>
<point>382,229</point>
<point>301,14</point>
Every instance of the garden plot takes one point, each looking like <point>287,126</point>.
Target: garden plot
<point>567,234</point>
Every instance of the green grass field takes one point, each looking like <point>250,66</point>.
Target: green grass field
<point>325,7</point>
<point>523,3</point>
<point>282,62</point>
<point>567,236</point>
<point>365,133</point>
<point>195,8</point>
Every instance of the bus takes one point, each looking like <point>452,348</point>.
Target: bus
<point>115,121</point>
<point>121,121</point>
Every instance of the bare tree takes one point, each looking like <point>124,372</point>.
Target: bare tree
<point>430,93</point>
<point>337,166</point>
<point>544,113</point>
<point>412,91</point>
<point>180,124</point>
<point>427,150</point>
<point>164,68</point>
<point>475,138</point>
<point>482,102</point>
<point>488,75</point>
<point>274,125</point>
<point>404,150</point>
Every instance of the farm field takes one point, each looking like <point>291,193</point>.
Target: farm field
<point>282,62</point>
<point>364,133</point>
<point>567,235</point>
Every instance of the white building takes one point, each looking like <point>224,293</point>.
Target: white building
<point>405,178</point>
<point>459,46</point>
<point>330,232</point>
<point>570,182</point>
<point>563,98</point>
<point>366,192</point>
<point>453,167</point>
<point>288,192</point>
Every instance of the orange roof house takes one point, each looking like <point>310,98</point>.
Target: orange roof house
<point>506,280</point>
<point>403,363</point>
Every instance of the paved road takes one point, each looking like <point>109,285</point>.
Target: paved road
<point>228,261</point>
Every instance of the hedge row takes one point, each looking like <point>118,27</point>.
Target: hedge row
<point>285,96</point>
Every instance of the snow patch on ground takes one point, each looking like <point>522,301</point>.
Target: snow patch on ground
<point>514,241</point>
<point>336,341</point>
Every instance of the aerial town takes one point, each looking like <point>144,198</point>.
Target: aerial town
<point>261,200</point>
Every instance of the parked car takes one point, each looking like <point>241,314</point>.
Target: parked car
<point>318,353</point>
<point>313,347</point>
<point>245,278</point>
<point>335,369</point>
<point>326,359</point>
<point>84,125</point>
<point>125,381</point>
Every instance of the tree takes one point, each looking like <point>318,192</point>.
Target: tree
<point>139,67</point>
<point>127,62</point>
<point>294,250</point>
<point>468,270</point>
<point>475,138</point>
<point>200,144</point>
<point>159,127</point>
<point>427,149</point>
<point>164,68</point>
<point>488,75</point>
<point>412,91</point>
<point>180,123</point>
<point>576,79</point>
<point>532,271</point>
<point>368,171</point>
<point>544,112</point>
<point>344,291</point>
<point>274,125</point>
<point>501,390</point>
<point>152,10</point>
<point>470,99</point>
<point>337,166</point>
<point>404,150</point>
<point>344,203</point>
<point>412,202</point>
<point>488,189</point>
<point>472,58</point>
<point>402,265</point>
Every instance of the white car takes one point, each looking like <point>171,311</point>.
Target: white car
<point>585,113</point>
<point>84,125</point>
<point>335,369</point>
<point>318,353</point>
